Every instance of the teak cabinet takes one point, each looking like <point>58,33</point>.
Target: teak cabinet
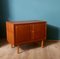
<point>24,32</point>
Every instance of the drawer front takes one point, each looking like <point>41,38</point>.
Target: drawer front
<point>22,33</point>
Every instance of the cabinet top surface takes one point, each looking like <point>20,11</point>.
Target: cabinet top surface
<point>22,22</point>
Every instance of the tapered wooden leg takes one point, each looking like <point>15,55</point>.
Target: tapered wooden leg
<point>18,49</point>
<point>12,46</point>
<point>42,43</point>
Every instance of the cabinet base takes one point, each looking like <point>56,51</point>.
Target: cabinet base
<point>42,45</point>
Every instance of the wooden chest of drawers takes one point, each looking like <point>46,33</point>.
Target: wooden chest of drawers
<point>24,32</point>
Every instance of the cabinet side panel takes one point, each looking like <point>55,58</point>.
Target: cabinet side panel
<point>10,32</point>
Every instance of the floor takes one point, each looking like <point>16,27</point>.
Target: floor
<point>33,51</point>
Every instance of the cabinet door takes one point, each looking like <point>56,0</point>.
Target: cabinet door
<point>43,30</point>
<point>38,31</point>
<point>22,33</point>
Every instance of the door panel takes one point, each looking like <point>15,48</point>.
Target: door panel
<point>22,33</point>
<point>43,30</point>
<point>35,31</point>
<point>38,31</point>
